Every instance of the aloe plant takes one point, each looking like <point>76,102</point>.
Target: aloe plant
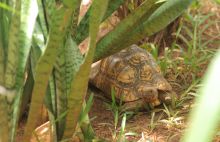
<point>40,59</point>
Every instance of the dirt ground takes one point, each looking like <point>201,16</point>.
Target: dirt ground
<point>141,127</point>
<point>140,124</point>
<point>166,128</point>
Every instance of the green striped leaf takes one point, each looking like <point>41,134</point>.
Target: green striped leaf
<point>80,81</point>
<point>19,43</point>
<point>159,19</point>
<point>12,56</point>
<point>114,38</point>
<point>68,61</point>
<point>29,13</point>
<point>4,23</point>
<point>4,128</point>
<point>60,22</point>
<point>48,8</point>
<point>6,107</point>
<point>6,7</point>
<point>83,28</point>
<point>67,64</point>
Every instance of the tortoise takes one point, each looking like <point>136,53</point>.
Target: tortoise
<point>134,76</point>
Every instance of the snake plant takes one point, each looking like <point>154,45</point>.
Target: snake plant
<point>40,59</point>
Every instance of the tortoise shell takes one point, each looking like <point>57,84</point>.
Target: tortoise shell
<point>133,74</point>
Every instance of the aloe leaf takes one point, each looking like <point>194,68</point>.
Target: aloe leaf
<point>80,81</point>
<point>60,22</point>
<point>158,20</point>
<point>113,38</point>
<point>83,27</point>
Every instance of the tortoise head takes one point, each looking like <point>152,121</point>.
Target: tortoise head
<point>164,89</point>
<point>154,85</point>
<point>165,92</point>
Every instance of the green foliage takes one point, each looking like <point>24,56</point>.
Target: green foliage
<point>185,62</point>
<point>83,29</point>
<point>39,40</point>
<point>163,12</point>
<point>80,81</point>
<point>217,1</point>
<point>207,109</point>
<point>194,40</point>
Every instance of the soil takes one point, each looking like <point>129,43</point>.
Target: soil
<point>139,127</point>
<point>167,128</point>
<point>140,124</point>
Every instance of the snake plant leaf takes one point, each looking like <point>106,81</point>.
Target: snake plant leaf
<point>35,54</point>
<point>22,26</point>
<point>29,11</point>
<point>28,87</point>
<point>4,128</point>
<point>83,27</point>
<point>42,19</point>
<point>4,23</point>
<point>6,7</point>
<point>60,22</point>
<point>4,30</point>
<point>2,58</point>
<point>68,60</point>
<point>12,56</point>
<point>67,64</point>
<point>59,84</point>
<point>80,81</point>
<point>48,7</point>
<point>20,33</point>
<point>125,27</point>
<point>75,17</point>
<point>165,14</point>
<point>38,43</point>
<point>158,20</point>
<point>2,63</point>
<point>84,120</point>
